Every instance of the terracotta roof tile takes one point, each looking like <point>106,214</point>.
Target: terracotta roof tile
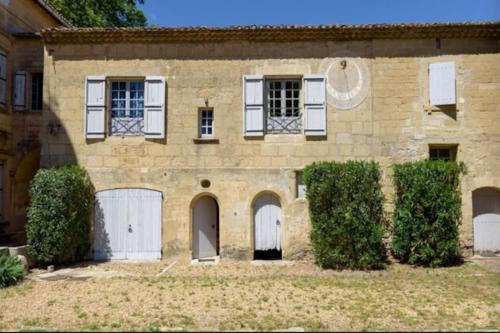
<point>53,12</point>
<point>272,33</point>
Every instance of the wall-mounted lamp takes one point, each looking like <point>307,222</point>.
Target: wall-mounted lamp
<point>54,128</point>
<point>206,102</point>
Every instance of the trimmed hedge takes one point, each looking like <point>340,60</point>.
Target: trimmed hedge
<point>58,227</point>
<point>11,271</point>
<point>427,213</point>
<point>346,210</point>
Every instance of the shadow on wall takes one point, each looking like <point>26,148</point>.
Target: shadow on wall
<point>485,200</point>
<point>241,50</point>
<point>101,236</point>
<point>24,173</point>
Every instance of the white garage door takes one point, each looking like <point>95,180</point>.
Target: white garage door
<point>486,211</point>
<point>127,224</point>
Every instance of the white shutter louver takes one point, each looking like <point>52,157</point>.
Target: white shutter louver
<point>315,105</point>
<point>154,107</point>
<point>253,105</point>
<point>95,107</point>
<point>442,83</point>
<point>19,90</point>
<point>3,79</point>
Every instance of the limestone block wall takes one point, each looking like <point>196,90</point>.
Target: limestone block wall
<point>391,125</point>
<point>19,19</point>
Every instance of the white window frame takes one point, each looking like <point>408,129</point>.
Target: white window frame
<point>273,122</point>
<point>300,186</point>
<point>206,126</point>
<point>32,74</point>
<point>127,109</point>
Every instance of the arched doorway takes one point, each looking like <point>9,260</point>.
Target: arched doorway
<point>267,227</point>
<point>486,219</point>
<point>205,228</point>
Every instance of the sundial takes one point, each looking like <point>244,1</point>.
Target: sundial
<point>348,81</point>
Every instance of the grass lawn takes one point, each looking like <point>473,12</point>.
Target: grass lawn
<point>237,295</point>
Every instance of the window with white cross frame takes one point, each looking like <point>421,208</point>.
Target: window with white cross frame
<point>283,106</point>
<point>127,108</point>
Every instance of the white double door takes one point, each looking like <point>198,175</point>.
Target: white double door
<point>128,224</point>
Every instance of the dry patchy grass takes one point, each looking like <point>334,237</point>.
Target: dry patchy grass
<point>236,295</point>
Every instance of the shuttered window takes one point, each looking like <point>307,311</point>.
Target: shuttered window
<point>442,83</point>
<point>95,106</point>
<point>283,110</point>
<point>3,80</point>
<point>154,107</point>
<point>315,105</point>
<point>19,91</point>
<point>253,105</point>
<point>136,107</point>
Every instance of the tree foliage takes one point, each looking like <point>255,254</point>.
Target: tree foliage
<point>346,208</point>
<point>59,215</point>
<point>101,13</point>
<point>428,212</point>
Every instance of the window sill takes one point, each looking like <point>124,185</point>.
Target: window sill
<point>206,141</point>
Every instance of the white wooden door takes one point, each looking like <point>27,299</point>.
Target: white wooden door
<point>205,228</point>
<point>127,224</point>
<point>267,220</point>
<point>486,208</point>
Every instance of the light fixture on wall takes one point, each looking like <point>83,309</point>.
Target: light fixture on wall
<point>206,102</point>
<point>54,128</point>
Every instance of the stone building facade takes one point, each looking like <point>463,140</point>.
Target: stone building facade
<point>21,103</point>
<point>240,111</point>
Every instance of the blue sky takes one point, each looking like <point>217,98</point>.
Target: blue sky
<point>248,12</point>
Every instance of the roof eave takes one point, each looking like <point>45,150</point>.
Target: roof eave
<point>271,33</point>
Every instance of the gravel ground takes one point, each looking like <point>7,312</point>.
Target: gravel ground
<point>238,295</point>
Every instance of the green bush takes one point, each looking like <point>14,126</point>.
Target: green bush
<point>346,210</point>
<point>427,213</point>
<point>58,227</point>
<point>11,271</point>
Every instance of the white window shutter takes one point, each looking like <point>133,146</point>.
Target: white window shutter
<point>253,105</point>
<point>442,83</point>
<point>95,107</point>
<point>3,79</point>
<point>315,105</point>
<point>19,90</point>
<point>154,107</point>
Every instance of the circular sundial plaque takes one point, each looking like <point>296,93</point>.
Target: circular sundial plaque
<point>348,81</point>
